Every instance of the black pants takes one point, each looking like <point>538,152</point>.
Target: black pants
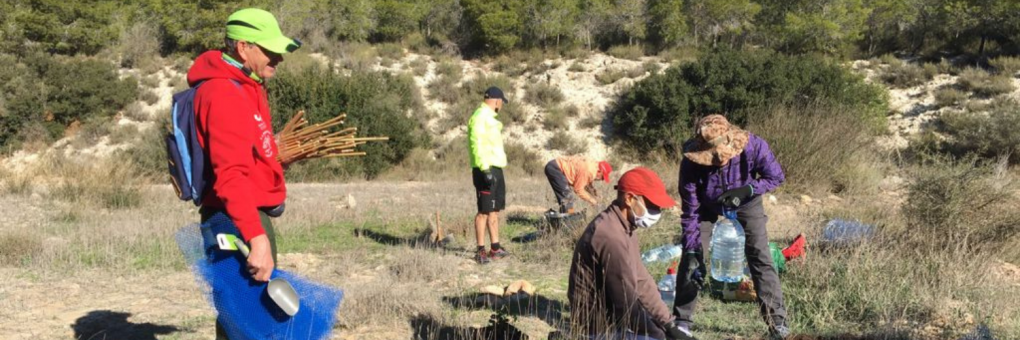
<point>560,186</point>
<point>759,261</point>
<point>267,225</point>
<point>490,198</point>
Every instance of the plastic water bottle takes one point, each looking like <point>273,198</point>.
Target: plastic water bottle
<point>671,252</point>
<point>667,287</point>
<point>728,260</point>
<point>650,256</point>
<point>662,254</point>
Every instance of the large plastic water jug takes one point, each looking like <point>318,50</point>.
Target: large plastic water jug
<point>728,259</point>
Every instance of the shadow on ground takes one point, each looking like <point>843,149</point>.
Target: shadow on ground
<point>427,328</point>
<point>548,310</point>
<point>105,324</point>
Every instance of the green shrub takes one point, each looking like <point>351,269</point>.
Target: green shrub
<point>543,94</point>
<point>522,158</point>
<point>84,88</point>
<point>578,54</point>
<point>571,110</point>
<point>357,56</point>
<point>949,96</point>
<point>91,130</point>
<point>52,92</point>
<point>1006,66</point>
<point>636,72</point>
<point>590,122</point>
<point>562,141</point>
<point>376,103</point>
<point>149,97</point>
<point>444,89</point>
<point>450,69</point>
<point>150,81</point>
<point>123,134</point>
<point>390,51</point>
<point>576,67</point>
<point>657,112</point>
<point>514,113</point>
<point>630,52</point>
<point>419,66</point>
<point>148,154</point>
<point>960,207</point>
<point>902,74</point>
<point>555,119</point>
<point>680,55</point>
<point>476,87</point>
<point>984,84</point>
<point>509,66</point>
<point>990,135</point>
<point>610,76</point>
<point>651,67</point>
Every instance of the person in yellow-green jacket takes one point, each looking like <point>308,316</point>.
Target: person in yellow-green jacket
<point>485,140</point>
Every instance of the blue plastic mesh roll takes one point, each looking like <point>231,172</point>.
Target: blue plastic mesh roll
<point>244,308</point>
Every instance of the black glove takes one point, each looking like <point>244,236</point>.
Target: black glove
<point>696,268</point>
<point>674,331</point>
<point>692,277</point>
<point>490,179</point>
<point>734,197</point>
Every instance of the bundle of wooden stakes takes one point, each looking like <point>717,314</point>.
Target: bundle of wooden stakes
<point>299,141</point>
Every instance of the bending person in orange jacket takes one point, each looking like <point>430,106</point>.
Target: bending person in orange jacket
<point>575,174</point>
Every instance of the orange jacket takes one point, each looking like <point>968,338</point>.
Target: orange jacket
<point>580,173</point>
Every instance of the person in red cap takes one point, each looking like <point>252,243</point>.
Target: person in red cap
<point>571,174</point>
<point>612,295</point>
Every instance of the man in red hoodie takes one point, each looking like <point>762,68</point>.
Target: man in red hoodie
<point>235,129</point>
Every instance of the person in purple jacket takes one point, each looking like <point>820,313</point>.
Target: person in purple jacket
<point>726,167</point>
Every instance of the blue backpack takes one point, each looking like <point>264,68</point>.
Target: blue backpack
<point>185,156</point>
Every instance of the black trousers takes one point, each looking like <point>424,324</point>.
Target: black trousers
<point>564,193</point>
<point>759,261</point>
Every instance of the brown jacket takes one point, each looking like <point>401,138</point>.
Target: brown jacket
<point>609,288</point>
<point>580,173</point>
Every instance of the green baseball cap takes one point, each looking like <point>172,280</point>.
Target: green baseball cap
<point>260,27</point>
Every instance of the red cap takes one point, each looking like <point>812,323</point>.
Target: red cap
<point>644,182</point>
<point>670,271</point>
<point>606,169</point>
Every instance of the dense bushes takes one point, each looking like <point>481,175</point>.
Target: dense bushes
<point>658,111</point>
<point>378,104</point>
<point>626,28</point>
<point>49,93</point>
<point>990,135</point>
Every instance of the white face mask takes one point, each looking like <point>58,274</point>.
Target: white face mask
<point>650,217</point>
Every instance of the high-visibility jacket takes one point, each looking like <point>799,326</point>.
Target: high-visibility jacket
<point>485,139</point>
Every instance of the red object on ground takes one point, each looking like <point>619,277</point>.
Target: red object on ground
<point>796,249</point>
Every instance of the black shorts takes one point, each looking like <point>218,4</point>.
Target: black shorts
<point>489,199</point>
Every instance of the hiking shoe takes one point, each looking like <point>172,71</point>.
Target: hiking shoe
<point>779,332</point>
<point>498,254</point>
<point>482,257</point>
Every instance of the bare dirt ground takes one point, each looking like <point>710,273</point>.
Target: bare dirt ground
<point>95,302</point>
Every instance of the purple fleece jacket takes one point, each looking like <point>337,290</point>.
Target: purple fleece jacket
<point>701,185</point>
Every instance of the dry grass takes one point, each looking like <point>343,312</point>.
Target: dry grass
<point>984,84</point>
<point>1006,66</point>
<point>949,96</point>
<point>543,94</point>
<point>826,150</point>
<point>630,52</point>
<point>565,142</point>
<point>610,76</point>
